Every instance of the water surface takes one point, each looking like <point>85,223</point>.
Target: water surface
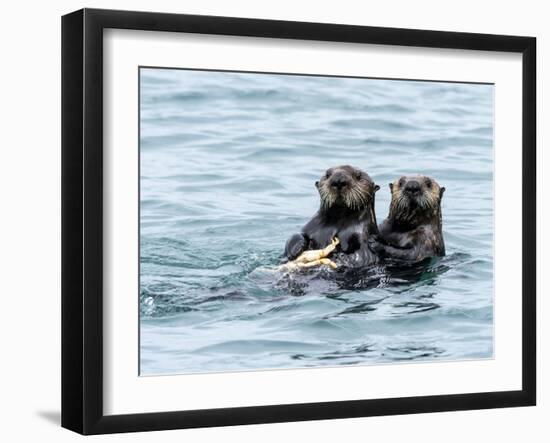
<point>228,164</point>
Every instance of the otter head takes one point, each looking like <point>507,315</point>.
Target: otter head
<point>415,200</point>
<point>346,187</point>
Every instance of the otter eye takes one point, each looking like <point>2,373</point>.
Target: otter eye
<point>428,183</point>
<point>401,181</point>
<point>357,174</point>
<point>328,173</point>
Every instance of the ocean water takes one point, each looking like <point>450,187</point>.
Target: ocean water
<point>228,164</point>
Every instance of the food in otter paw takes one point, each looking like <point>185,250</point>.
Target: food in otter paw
<point>316,257</point>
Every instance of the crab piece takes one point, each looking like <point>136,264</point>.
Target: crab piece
<point>315,257</point>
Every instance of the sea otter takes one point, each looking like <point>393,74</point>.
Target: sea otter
<point>412,231</point>
<point>346,213</point>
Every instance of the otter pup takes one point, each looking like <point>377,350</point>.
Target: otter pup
<point>346,212</point>
<point>412,230</point>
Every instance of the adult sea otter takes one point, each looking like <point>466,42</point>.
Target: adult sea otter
<point>413,229</point>
<point>346,213</point>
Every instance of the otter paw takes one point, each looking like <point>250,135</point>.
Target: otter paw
<point>295,246</point>
<point>375,244</point>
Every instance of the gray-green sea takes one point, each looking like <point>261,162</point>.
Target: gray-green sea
<point>228,163</point>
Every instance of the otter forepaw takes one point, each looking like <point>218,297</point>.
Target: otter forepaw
<point>295,246</point>
<point>375,244</point>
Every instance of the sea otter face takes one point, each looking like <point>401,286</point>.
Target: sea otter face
<point>414,196</point>
<point>346,186</point>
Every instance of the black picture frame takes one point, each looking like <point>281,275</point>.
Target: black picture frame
<point>82,218</point>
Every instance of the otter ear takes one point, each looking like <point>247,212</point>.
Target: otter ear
<point>317,184</point>
<point>376,188</point>
<point>441,191</point>
<point>391,187</point>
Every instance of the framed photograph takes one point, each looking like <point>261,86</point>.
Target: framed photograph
<point>268,221</point>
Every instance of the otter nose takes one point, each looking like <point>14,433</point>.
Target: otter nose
<point>412,186</point>
<point>339,181</point>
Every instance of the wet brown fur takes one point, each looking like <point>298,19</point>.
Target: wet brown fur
<point>413,229</point>
<point>346,211</point>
